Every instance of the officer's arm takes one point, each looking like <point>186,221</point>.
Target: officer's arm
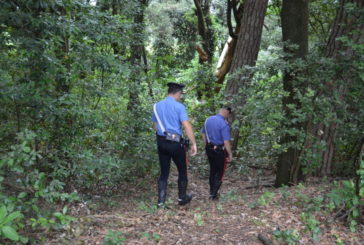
<point>189,131</point>
<point>155,126</point>
<point>227,146</point>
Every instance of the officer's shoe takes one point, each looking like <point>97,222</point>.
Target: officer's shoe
<point>183,198</point>
<point>162,193</point>
<point>214,195</point>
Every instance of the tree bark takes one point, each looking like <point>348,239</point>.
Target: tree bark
<point>294,18</point>
<point>246,53</point>
<point>206,49</point>
<point>205,29</point>
<point>226,57</point>
<point>349,25</point>
<point>136,58</point>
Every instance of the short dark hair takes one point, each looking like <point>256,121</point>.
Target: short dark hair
<point>173,90</point>
<point>175,87</point>
<point>227,108</point>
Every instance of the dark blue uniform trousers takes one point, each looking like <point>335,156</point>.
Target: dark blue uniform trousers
<point>168,150</point>
<point>217,160</point>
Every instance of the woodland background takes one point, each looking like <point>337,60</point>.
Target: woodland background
<point>78,80</point>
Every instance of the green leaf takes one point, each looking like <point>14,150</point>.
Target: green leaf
<point>12,217</point>
<point>361,192</point>
<point>58,214</point>
<point>22,195</point>
<point>26,149</point>
<point>355,200</point>
<point>23,239</point>
<point>10,233</point>
<point>355,213</point>
<point>65,209</point>
<point>3,213</point>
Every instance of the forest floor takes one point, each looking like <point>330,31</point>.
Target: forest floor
<point>242,213</point>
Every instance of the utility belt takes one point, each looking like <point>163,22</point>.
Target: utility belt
<point>215,147</point>
<point>175,138</point>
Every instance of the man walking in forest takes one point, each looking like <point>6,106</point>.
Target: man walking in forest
<point>169,115</point>
<point>216,135</point>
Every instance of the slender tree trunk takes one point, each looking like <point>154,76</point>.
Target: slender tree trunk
<point>205,29</point>
<point>246,53</point>
<point>294,18</point>
<point>346,24</point>
<point>206,49</point>
<point>136,58</point>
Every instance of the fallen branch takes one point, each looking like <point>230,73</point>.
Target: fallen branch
<point>337,214</point>
<point>346,214</point>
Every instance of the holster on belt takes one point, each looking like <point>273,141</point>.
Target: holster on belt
<point>216,147</point>
<point>173,137</point>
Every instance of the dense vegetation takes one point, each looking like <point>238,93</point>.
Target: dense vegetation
<point>78,80</point>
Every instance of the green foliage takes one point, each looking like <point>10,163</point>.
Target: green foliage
<point>263,200</point>
<point>151,236</point>
<point>312,225</point>
<point>344,198</point>
<point>147,207</point>
<point>198,217</point>
<point>113,238</point>
<point>231,195</point>
<point>9,223</point>
<point>284,190</point>
<point>287,236</point>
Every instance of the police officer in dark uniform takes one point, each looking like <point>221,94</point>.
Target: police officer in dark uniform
<point>169,116</point>
<point>216,135</point>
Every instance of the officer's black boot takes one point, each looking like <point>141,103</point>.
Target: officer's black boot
<point>214,194</point>
<point>162,192</point>
<point>211,183</point>
<point>183,198</point>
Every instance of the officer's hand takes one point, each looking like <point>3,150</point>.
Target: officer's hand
<point>193,150</point>
<point>229,158</point>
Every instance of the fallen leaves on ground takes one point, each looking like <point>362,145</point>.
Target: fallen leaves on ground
<point>238,217</point>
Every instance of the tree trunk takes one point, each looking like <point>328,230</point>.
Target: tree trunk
<point>226,57</point>
<point>294,18</point>
<point>246,53</point>
<point>205,29</point>
<point>136,57</point>
<point>349,25</point>
<point>206,49</point>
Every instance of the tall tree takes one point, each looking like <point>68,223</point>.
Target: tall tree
<point>206,49</point>
<point>205,30</point>
<point>246,52</point>
<point>226,57</point>
<point>294,18</point>
<point>138,55</point>
<point>348,25</point>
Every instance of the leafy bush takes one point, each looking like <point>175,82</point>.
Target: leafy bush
<point>287,236</point>
<point>113,238</point>
<point>346,201</point>
<point>312,225</point>
<point>9,223</point>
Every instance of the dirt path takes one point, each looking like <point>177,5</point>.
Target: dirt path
<point>237,218</point>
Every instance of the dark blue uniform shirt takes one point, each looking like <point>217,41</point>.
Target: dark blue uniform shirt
<point>217,128</point>
<point>172,113</point>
